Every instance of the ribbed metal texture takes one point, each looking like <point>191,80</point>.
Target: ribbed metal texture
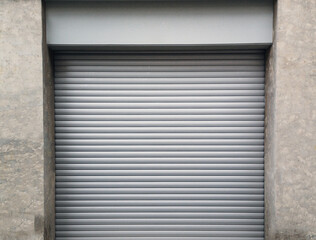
<point>165,146</point>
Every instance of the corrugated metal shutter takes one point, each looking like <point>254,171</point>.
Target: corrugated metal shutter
<point>159,145</point>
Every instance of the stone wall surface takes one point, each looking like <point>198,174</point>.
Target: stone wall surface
<point>290,124</point>
<point>21,120</point>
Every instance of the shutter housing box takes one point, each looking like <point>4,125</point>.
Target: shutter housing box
<point>159,23</point>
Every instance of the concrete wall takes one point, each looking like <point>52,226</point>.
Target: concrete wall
<point>21,120</point>
<point>290,124</point>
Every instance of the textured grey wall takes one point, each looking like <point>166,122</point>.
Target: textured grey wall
<point>21,120</point>
<point>291,127</point>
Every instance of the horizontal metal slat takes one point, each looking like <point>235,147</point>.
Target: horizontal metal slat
<point>256,197</point>
<point>179,190</point>
<point>93,148</point>
<point>160,160</point>
<point>159,117</point>
<point>187,111</point>
<point>213,80</point>
<point>157,221</point>
<point>133,92</point>
<point>159,129</point>
<point>159,141</point>
<point>238,154</point>
<point>139,123</point>
<point>160,238</point>
<point>164,62</point>
<point>172,179</point>
<point>159,184</point>
<point>159,87</point>
<point>160,209</point>
<point>159,172</point>
<point>59,105</point>
<point>160,166</point>
<point>191,136</point>
<point>160,233</point>
<point>239,74</point>
<point>159,215</point>
<point>159,227</point>
<point>202,55</point>
<point>161,68</point>
<point>160,203</point>
<point>161,99</point>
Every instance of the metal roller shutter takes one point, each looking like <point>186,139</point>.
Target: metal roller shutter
<point>159,145</point>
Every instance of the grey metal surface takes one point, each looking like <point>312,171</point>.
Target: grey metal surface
<point>131,23</point>
<point>166,148</point>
